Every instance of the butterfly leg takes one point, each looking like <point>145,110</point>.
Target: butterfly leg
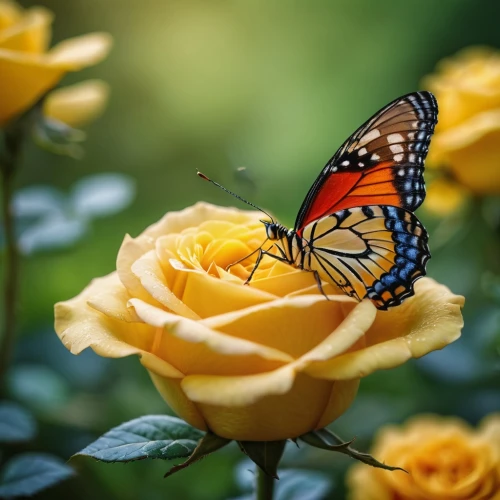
<point>262,253</point>
<point>320,285</point>
<point>241,260</point>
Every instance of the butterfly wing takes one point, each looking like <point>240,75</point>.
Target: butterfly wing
<point>372,251</point>
<point>380,164</point>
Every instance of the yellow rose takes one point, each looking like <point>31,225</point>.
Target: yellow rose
<point>28,68</point>
<point>466,144</point>
<point>268,361</point>
<point>444,457</point>
<point>79,104</point>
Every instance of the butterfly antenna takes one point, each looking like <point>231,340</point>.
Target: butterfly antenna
<point>204,177</point>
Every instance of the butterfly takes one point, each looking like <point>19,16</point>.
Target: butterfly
<point>356,228</point>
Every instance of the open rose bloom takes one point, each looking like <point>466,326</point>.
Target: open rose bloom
<point>444,457</point>
<point>466,146</point>
<point>29,68</point>
<point>267,361</point>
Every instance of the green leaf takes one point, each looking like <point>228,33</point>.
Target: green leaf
<point>30,473</point>
<point>265,454</point>
<point>152,436</point>
<point>38,387</point>
<point>209,444</point>
<point>16,424</point>
<point>327,440</point>
<point>102,195</point>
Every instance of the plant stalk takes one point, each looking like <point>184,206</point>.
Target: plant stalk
<point>264,485</point>
<point>13,141</point>
<point>10,277</point>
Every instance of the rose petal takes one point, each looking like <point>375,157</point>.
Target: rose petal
<point>363,484</point>
<point>170,389</point>
<point>292,325</point>
<point>77,104</point>
<point>80,326</point>
<point>221,296</point>
<point>403,332</point>
<point>79,52</point>
<point>282,284</point>
<point>194,348</point>
<point>147,269</point>
<point>239,390</point>
<point>268,406</point>
<point>23,82</point>
<point>26,76</point>
<point>467,132</point>
<point>130,250</point>
<point>461,146</point>
<point>10,13</point>
<point>112,304</point>
<point>444,197</point>
<point>416,319</point>
<point>347,333</point>
<point>176,222</point>
<point>170,224</point>
<point>30,34</point>
<point>342,396</point>
<point>490,430</point>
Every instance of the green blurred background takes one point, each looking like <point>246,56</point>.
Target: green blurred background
<point>274,86</point>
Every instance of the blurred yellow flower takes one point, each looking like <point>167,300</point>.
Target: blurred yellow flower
<point>79,104</point>
<point>466,145</point>
<point>444,457</point>
<point>28,68</point>
<point>268,361</point>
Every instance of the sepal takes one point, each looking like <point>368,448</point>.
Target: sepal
<point>265,454</point>
<point>57,137</point>
<point>208,444</point>
<point>327,440</point>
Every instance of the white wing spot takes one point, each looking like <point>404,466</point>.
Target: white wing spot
<point>401,172</point>
<point>399,157</point>
<point>411,135</point>
<point>414,125</point>
<point>361,164</point>
<point>334,169</point>
<point>362,152</point>
<point>392,138</point>
<point>396,148</point>
<point>375,157</point>
<point>370,136</point>
<point>345,163</point>
<point>411,158</point>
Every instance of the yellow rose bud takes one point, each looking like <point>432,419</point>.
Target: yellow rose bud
<point>444,197</point>
<point>79,104</point>
<point>27,68</point>
<point>260,362</point>
<point>444,458</point>
<point>467,139</point>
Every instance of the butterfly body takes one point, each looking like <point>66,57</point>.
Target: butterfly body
<point>356,227</point>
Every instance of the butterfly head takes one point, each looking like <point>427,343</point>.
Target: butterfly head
<point>274,231</point>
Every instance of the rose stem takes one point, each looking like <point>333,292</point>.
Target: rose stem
<point>264,485</point>
<point>13,142</point>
